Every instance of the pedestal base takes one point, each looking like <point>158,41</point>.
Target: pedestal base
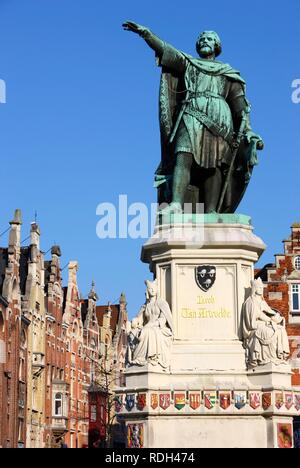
<point>208,397</point>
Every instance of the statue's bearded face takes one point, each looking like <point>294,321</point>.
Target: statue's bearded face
<point>207,45</point>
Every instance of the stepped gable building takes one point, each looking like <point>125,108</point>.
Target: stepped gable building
<point>112,321</point>
<point>13,344</point>
<point>57,388</point>
<point>282,292</point>
<point>33,309</point>
<point>53,344</point>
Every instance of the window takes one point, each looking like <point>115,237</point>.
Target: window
<point>58,404</point>
<point>93,413</point>
<point>296,297</point>
<point>297,263</point>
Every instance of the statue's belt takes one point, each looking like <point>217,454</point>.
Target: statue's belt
<point>207,94</point>
<point>214,127</point>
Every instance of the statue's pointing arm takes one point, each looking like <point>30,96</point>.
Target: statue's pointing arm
<point>168,56</point>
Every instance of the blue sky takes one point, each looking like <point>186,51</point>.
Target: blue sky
<point>80,125</point>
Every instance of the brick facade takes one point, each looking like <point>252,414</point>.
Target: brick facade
<point>50,347</point>
<point>281,279</point>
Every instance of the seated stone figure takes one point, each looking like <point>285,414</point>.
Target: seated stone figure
<point>151,333</point>
<point>264,333</point>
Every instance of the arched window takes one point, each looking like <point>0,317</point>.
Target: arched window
<point>58,404</point>
<point>23,340</point>
<point>15,291</point>
<point>93,343</point>
<point>297,263</point>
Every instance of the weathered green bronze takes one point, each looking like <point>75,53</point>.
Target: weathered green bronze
<point>208,147</point>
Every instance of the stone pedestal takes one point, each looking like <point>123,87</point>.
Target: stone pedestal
<point>208,397</point>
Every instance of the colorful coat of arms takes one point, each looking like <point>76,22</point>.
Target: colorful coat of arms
<point>135,436</point>
<point>130,402</point>
<point>195,400</point>
<point>210,400</point>
<point>297,402</point>
<point>279,400</point>
<point>240,400</point>
<point>154,401</point>
<point>225,400</point>
<point>180,400</point>
<point>255,401</point>
<point>289,400</point>
<point>165,401</point>
<point>141,401</point>
<point>285,436</point>
<point>118,403</point>
<point>266,401</point>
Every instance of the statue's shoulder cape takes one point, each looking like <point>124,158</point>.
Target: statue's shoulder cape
<point>215,68</point>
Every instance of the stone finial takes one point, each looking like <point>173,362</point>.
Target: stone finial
<point>17,217</point>
<point>56,250</point>
<point>73,269</point>
<point>93,295</point>
<point>34,227</point>
<point>123,299</point>
<point>108,310</point>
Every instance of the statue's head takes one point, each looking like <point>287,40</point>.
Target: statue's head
<point>152,289</point>
<point>208,44</point>
<point>257,287</point>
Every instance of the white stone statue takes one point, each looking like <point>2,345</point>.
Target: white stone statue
<point>151,334</point>
<point>264,333</point>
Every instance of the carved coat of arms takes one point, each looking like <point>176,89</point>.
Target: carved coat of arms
<point>130,402</point>
<point>297,402</point>
<point>195,401</point>
<point>154,401</point>
<point>165,401</point>
<point>279,400</point>
<point>210,399</point>
<point>180,401</point>
<point>141,401</point>
<point>266,401</point>
<point>225,400</point>
<point>206,277</point>
<point>289,401</point>
<point>118,403</point>
<point>255,401</point>
<point>240,400</point>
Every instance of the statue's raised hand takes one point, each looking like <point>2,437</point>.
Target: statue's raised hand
<point>134,27</point>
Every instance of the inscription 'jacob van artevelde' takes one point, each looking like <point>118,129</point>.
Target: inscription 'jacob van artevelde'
<point>203,313</point>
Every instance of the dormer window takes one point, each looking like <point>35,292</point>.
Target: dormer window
<point>297,263</point>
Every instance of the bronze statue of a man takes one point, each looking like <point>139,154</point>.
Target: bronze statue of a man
<point>208,147</point>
